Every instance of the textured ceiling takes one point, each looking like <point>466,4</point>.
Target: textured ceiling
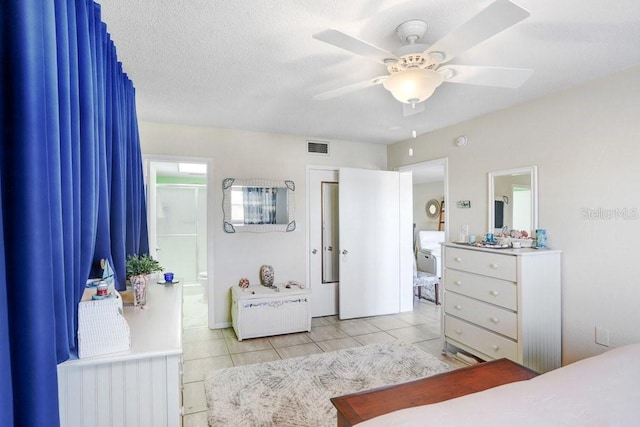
<point>253,65</point>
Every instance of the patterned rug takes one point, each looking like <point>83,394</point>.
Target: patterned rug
<point>296,391</point>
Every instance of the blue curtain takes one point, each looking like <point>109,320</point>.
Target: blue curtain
<point>72,189</point>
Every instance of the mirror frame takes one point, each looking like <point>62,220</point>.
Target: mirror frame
<point>433,203</point>
<point>533,173</point>
<point>257,228</point>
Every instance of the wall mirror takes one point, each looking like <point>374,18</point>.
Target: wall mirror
<point>513,199</point>
<point>258,205</point>
<point>432,208</point>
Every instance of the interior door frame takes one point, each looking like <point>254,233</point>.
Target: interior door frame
<point>440,161</point>
<point>444,161</point>
<point>147,159</point>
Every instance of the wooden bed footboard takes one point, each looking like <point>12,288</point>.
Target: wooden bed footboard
<point>357,407</point>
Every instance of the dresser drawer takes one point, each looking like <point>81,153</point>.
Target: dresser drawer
<point>488,264</point>
<point>489,316</point>
<point>489,289</point>
<point>493,345</point>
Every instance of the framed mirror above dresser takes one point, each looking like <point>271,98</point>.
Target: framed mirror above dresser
<point>513,200</point>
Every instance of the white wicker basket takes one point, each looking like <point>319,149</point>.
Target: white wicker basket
<point>258,311</point>
<point>102,328</point>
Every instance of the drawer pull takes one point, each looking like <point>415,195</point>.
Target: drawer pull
<point>495,347</point>
<point>458,282</point>
<point>457,307</point>
<point>458,331</point>
<point>457,259</point>
<point>494,266</point>
<point>494,319</point>
<point>495,293</point>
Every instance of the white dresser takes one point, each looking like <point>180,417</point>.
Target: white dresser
<point>504,303</point>
<point>138,387</point>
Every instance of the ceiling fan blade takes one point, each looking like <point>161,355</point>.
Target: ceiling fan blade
<point>354,45</point>
<point>410,110</point>
<point>349,88</point>
<point>487,76</point>
<point>492,20</point>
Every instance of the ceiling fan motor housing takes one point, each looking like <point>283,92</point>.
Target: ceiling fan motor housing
<point>411,31</point>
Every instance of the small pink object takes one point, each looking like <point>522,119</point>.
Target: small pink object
<point>244,282</point>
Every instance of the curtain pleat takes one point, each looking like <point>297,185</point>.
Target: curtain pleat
<point>72,189</point>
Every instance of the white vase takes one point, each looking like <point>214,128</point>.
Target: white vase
<point>266,275</point>
<point>139,288</point>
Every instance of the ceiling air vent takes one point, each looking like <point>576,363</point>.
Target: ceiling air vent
<point>318,147</point>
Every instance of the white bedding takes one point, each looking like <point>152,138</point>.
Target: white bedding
<point>430,240</point>
<point>603,390</point>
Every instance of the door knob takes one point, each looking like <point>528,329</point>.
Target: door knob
<point>344,252</point>
<point>329,248</point>
<point>314,251</point>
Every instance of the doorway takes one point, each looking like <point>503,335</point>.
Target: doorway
<point>430,184</point>
<point>430,181</point>
<point>180,235</point>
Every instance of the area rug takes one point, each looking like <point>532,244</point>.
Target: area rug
<point>296,391</point>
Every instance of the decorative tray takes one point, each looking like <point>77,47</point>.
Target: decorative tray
<point>484,245</point>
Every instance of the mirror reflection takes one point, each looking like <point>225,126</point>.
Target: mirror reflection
<point>258,205</point>
<point>513,200</point>
<point>330,233</point>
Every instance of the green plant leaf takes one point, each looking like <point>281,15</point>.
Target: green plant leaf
<point>141,264</point>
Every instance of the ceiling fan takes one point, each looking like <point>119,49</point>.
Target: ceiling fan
<point>416,70</point>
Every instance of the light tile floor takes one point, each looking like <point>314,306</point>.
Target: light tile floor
<point>205,349</point>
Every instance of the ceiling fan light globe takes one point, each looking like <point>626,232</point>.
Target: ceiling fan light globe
<point>414,85</point>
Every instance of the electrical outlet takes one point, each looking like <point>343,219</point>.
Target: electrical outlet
<point>602,336</point>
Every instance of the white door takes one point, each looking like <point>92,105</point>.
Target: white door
<point>374,262</point>
<point>323,217</point>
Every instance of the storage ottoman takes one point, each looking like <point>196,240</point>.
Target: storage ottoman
<point>259,311</point>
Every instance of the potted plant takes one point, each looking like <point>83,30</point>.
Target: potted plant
<point>139,267</point>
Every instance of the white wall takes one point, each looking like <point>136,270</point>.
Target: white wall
<point>586,143</point>
<point>247,155</point>
<point>422,193</point>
